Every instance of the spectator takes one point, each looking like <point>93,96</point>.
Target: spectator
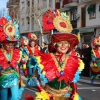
<point>44,47</point>
<point>86,57</point>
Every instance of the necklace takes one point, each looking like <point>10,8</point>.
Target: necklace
<point>8,56</point>
<point>60,65</point>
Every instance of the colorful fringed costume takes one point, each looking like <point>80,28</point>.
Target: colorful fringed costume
<point>33,49</point>
<point>95,64</point>
<point>11,85</point>
<point>58,70</point>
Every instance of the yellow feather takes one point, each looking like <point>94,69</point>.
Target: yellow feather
<point>78,35</point>
<point>81,67</point>
<point>76,96</point>
<point>43,95</point>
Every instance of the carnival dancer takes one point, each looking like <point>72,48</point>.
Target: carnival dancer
<point>25,55</point>
<point>95,64</point>
<point>33,50</point>
<point>11,85</point>
<point>59,71</point>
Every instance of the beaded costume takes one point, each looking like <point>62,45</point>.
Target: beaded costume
<point>95,64</point>
<point>11,85</point>
<point>60,75</point>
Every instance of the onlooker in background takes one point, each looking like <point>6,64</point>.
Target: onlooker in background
<point>44,47</point>
<point>86,57</point>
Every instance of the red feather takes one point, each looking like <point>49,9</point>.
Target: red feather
<point>48,21</point>
<point>29,97</point>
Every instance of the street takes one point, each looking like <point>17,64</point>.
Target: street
<point>86,90</point>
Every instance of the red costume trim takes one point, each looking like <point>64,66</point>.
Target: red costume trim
<point>51,69</point>
<point>36,50</point>
<point>96,53</point>
<point>4,63</point>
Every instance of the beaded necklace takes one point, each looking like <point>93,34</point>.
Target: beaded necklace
<point>60,65</point>
<point>8,56</point>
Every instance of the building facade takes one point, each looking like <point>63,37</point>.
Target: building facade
<point>13,9</point>
<point>84,16</point>
<point>30,14</point>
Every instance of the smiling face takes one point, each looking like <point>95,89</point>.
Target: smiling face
<point>8,46</point>
<point>32,44</point>
<point>62,47</point>
<point>98,47</point>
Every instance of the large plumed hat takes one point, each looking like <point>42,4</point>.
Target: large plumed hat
<point>32,37</point>
<point>96,41</point>
<point>9,30</point>
<point>60,21</point>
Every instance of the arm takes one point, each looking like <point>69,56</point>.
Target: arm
<point>36,83</point>
<point>74,92</point>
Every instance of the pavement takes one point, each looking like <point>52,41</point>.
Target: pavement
<point>82,79</point>
<point>88,80</point>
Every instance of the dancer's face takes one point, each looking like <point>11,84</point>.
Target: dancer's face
<point>62,46</point>
<point>32,44</point>
<point>98,47</point>
<point>8,46</point>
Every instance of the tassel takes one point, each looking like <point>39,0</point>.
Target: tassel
<point>76,96</point>
<point>24,66</point>
<point>21,84</point>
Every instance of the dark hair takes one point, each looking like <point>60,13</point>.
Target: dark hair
<point>44,43</point>
<point>35,41</point>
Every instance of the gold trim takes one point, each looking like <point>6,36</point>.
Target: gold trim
<point>7,72</point>
<point>56,92</point>
<point>13,32</point>
<point>60,98</point>
<point>4,52</point>
<point>57,65</point>
<point>57,21</point>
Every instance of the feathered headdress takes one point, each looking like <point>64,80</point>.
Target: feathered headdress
<point>32,37</point>
<point>96,41</point>
<point>24,40</point>
<point>60,21</point>
<point>9,30</point>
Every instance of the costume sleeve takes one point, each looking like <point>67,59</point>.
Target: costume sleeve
<point>78,72</point>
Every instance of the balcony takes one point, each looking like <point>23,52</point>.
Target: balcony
<point>86,0</point>
<point>16,2</point>
<point>73,1</point>
<point>70,3</point>
<point>10,3</point>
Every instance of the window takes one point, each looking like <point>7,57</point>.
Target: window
<point>72,11</point>
<point>22,22</point>
<point>87,38</point>
<point>50,3</point>
<point>28,3</point>
<point>92,11</point>
<point>22,5</point>
<point>27,20</point>
<point>44,3</point>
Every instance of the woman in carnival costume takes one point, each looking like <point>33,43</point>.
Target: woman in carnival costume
<point>11,85</point>
<point>33,50</point>
<point>25,55</point>
<point>59,71</point>
<point>95,64</point>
